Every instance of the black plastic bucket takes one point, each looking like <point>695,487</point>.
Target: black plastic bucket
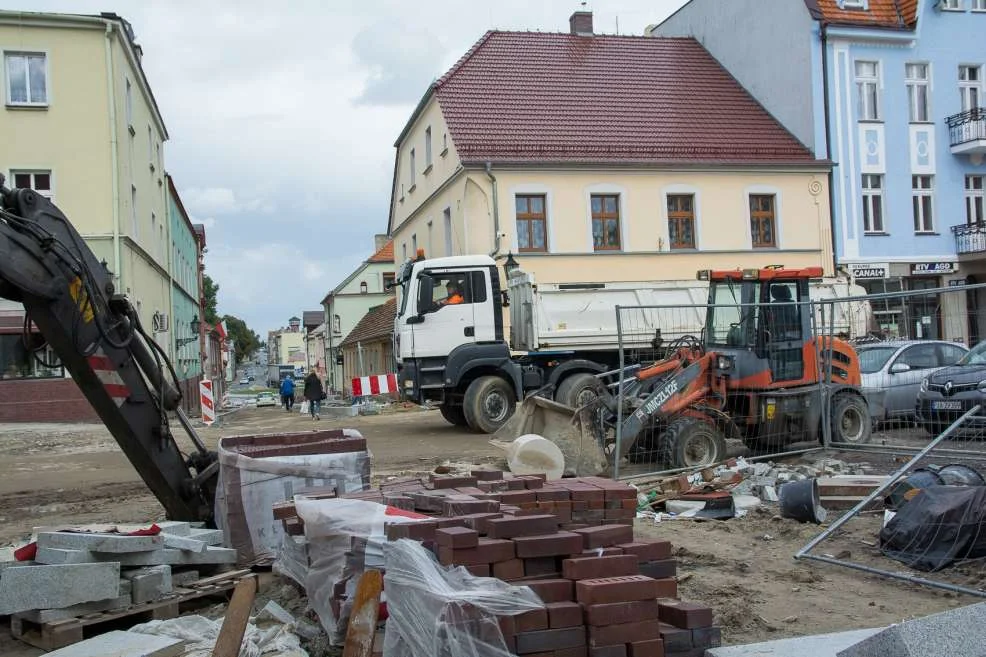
<point>799,501</point>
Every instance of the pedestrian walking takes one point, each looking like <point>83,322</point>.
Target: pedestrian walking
<point>314,393</point>
<point>287,393</point>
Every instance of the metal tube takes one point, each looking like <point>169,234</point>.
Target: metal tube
<point>662,473</point>
<point>619,394</point>
<point>890,449</point>
<point>891,480</point>
<point>897,575</point>
<point>190,430</point>
<point>826,394</point>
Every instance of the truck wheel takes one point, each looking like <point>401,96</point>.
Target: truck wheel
<point>488,403</point>
<point>453,415</point>
<point>851,422</point>
<point>689,442</point>
<point>577,390</point>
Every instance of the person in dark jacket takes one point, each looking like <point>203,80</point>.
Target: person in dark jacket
<point>314,393</point>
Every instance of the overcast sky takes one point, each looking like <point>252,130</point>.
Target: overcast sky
<point>283,116</point>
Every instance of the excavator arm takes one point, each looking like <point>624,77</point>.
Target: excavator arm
<point>97,335</point>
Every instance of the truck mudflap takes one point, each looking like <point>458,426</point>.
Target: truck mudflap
<point>571,430</point>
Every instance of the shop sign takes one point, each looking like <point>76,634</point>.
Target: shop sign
<point>869,270</point>
<point>932,268</point>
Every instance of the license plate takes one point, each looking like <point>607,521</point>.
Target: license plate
<point>946,406</point>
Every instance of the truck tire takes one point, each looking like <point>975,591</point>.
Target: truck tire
<point>851,421</point>
<point>577,390</point>
<point>454,415</point>
<point>689,442</point>
<point>488,404</point>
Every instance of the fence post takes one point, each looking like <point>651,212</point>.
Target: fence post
<point>619,393</point>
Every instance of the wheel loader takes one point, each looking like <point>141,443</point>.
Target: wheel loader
<point>758,373</point>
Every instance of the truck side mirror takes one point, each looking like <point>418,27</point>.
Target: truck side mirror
<point>426,287</point>
<point>415,319</point>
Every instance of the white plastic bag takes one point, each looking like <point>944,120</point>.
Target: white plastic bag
<point>304,407</point>
<point>445,612</point>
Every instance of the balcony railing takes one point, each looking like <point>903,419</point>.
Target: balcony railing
<point>966,127</point>
<point>970,238</point>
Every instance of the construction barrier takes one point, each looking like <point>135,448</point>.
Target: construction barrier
<point>378,384</point>
<point>207,401</point>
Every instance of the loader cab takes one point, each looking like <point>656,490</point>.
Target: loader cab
<point>762,319</point>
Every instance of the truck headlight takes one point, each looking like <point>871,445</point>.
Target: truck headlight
<point>724,363</point>
<point>924,385</point>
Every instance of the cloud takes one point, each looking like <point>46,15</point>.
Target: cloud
<point>221,200</point>
<point>400,62</point>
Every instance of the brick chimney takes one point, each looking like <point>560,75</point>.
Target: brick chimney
<point>580,23</point>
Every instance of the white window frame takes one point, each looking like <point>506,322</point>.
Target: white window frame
<point>978,5</point>
<point>854,4</point>
<point>7,79</point>
<point>870,195</point>
<point>533,189</point>
<point>679,189</point>
<point>404,251</point>
<point>950,5</point>
<point>431,244</point>
<point>914,83</point>
<point>411,163</point>
<point>133,211</point>
<point>447,219</point>
<point>414,244</point>
<point>428,160</point>
<point>863,82</point>
<point>50,195</point>
<point>975,199</point>
<point>624,212</point>
<point>923,224</point>
<point>969,88</point>
<point>128,101</point>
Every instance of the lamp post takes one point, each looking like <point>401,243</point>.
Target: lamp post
<point>194,325</point>
<point>510,265</point>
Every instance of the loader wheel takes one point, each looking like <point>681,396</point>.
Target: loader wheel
<point>488,403</point>
<point>454,415</point>
<point>689,443</point>
<point>851,422</point>
<point>577,390</point>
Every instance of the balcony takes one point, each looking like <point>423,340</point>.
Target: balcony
<point>967,132</point>
<point>970,238</point>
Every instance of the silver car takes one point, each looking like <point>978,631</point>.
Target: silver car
<point>899,367</point>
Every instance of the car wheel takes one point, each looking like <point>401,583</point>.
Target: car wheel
<point>851,422</point>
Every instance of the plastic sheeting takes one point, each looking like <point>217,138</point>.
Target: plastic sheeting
<point>333,527</point>
<point>200,633</point>
<point>937,527</point>
<point>440,612</point>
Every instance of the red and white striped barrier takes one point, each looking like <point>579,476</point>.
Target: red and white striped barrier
<point>108,375</point>
<point>208,401</point>
<point>378,384</point>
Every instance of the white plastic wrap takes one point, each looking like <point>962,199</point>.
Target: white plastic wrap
<point>331,527</point>
<point>200,633</point>
<point>439,612</point>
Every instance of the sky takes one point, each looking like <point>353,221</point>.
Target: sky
<point>282,120</point>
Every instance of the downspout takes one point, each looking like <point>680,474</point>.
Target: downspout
<point>828,146</point>
<point>114,143</point>
<point>496,212</point>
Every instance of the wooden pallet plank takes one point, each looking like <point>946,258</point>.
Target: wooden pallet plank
<point>236,619</point>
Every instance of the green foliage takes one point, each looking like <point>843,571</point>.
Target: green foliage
<point>245,341</point>
<point>211,289</point>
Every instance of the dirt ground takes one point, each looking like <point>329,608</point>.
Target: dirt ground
<point>743,568</point>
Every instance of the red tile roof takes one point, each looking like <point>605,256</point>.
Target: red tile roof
<point>531,97</point>
<point>385,254</point>
<point>377,323</point>
<point>899,14</point>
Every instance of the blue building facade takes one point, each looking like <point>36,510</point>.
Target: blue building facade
<point>185,311</point>
<point>892,92</point>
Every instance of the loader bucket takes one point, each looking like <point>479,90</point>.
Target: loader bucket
<point>571,430</point>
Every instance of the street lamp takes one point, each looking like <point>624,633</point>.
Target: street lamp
<point>511,265</point>
<point>195,324</point>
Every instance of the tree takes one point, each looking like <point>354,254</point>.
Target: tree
<point>245,341</point>
<point>211,290</point>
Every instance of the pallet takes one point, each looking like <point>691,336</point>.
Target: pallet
<point>58,634</point>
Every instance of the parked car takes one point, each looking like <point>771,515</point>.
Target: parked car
<point>266,399</point>
<point>946,394</point>
<point>899,367</point>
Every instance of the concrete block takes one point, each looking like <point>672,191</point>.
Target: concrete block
<point>172,557</point>
<point>112,543</point>
<point>184,578</point>
<point>768,494</point>
<point>184,543</point>
<point>52,615</point>
<point>124,644</point>
<point>208,536</point>
<point>957,633</point>
<point>54,587</point>
<point>174,527</point>
<point>149,584</point>
<point>818,645</point>
<point>125,587</point>
<point>54,556</point>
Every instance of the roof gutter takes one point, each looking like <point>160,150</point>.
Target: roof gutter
<point>496,211</point>
<point>114,143</point>
<point>823,33</point>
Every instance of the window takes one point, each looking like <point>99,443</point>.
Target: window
<point>872,203</point>
<point>854,4</point>
<point>133,209</point>
<point>447,218</point>
<point>39,181</point>
<point>129,100</point>
<point>950,5</point>
<point>950,354</point>
<point>18,361</point>
<point>681,221</point>
<point>762,218</point>
<point>917,91</point>
<point>414,245</point>
<point>157,148</point>
<point>970,86</point>
<point>150,147</point>
<point>337,324</point>
<point>27,78</point>
<point>154,229</point>
<point>920,357</point>
<point>531,223</point>
<point>922,196</point>
<point>427,147</point>
<point>445,141</point>
<point>404,251</point>
<point>979,5</point>
<point>868,90</point>
<point>412,168</point>
<point>389,278</point>
<point>974,199</point>
<point>452,289</point>
<point>431,243</point>
<point>605,222</point>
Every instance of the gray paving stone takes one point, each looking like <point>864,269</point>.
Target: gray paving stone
<point>52,615</point>
<point>184,543</point>
<point>209,536</point>
<point>174,527</point>
<point>818,645</point>
<point>184,578</point>
<point>125,586</point>
<point>149,584</point>
<point>54,556</point>
<point>171,557</point>
<point>124,644</point>
<point>54,587</point>
<point>112,543</point>
<point>957,633</point>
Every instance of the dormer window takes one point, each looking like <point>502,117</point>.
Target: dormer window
<point>854,4</point>
<point>950,5</point>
